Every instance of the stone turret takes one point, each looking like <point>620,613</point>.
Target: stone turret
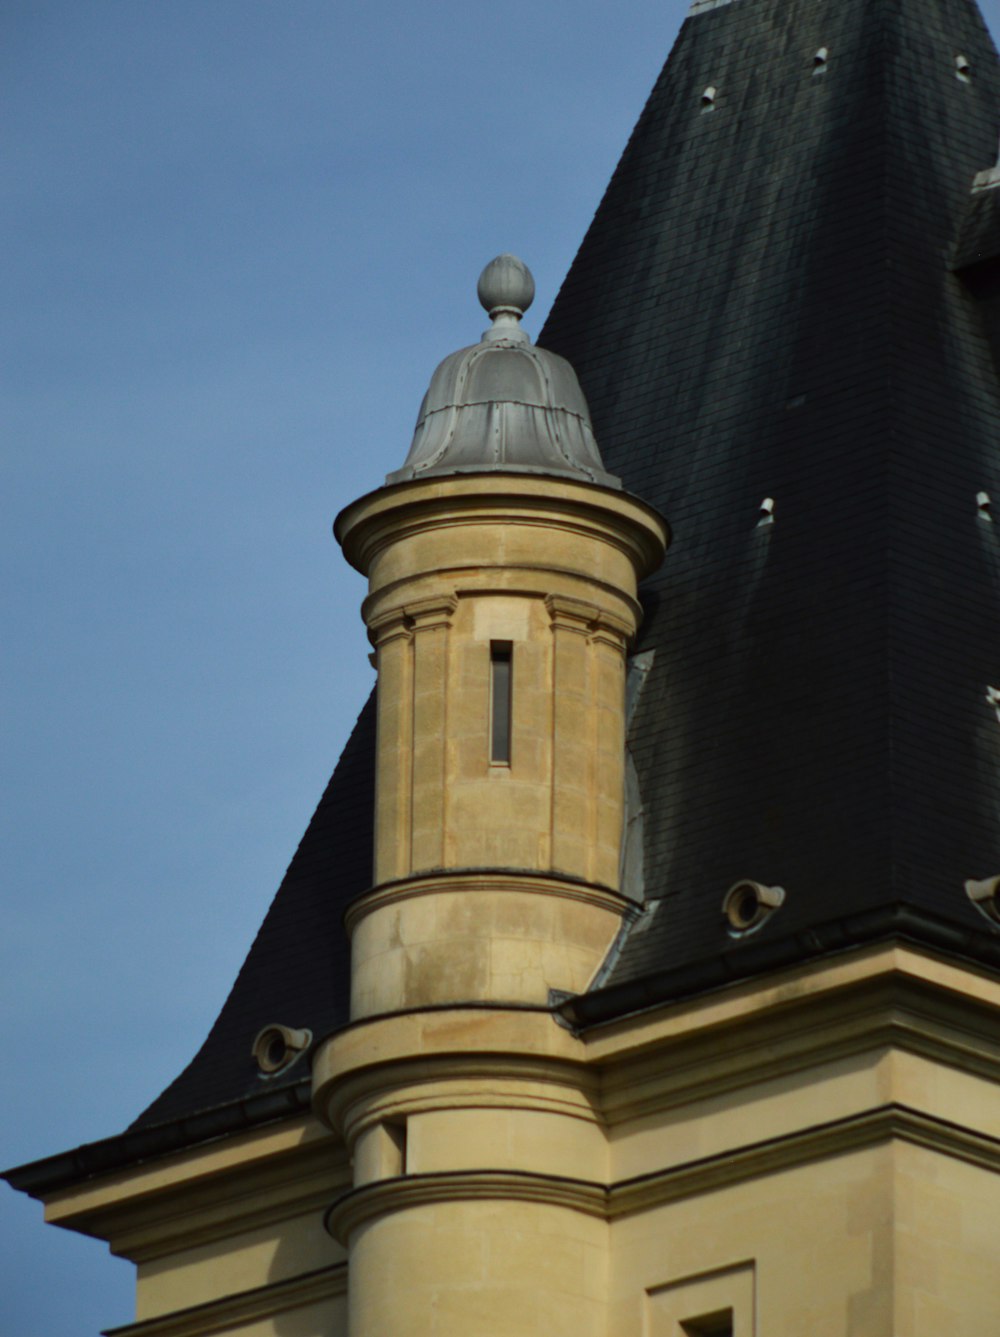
<point>503,564</point>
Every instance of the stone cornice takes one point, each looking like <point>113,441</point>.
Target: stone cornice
<point>891,1122</point>
<point>391,1195</point>
<point>892,1011</point>
<point>208,1195</point>
<point>418,1086</point>
<point>386,617</point>
<point>951,1016</point>
<point>784,993</point>
<point>243,1307</point>
<point>471,880</point>
<point>389,514</point>
<point>444,1050</point>
<point>889,997</point>
<point>870,1128</point>
<point>147,1237</point>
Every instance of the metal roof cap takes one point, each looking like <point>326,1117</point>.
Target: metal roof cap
<point>503,405</point>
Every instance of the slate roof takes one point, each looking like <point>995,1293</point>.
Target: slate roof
<point>765,306</point>
<point>787,294</point>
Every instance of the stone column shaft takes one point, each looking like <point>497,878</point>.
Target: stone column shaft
<point>394,748</point>
<point>431,620</point>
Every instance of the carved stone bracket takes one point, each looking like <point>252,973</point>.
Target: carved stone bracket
<point>426,614</point>
<point>404,620</point>
<point>587,619</point>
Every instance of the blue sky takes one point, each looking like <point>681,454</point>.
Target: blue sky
<point>238,236</point>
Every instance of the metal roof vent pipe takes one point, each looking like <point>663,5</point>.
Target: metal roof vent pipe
<point>984,896</point>
<point>276,1047</point>
<point>963,70</point>
<point>746,905</point>
<point>819,60</point>
<point>708,98</point>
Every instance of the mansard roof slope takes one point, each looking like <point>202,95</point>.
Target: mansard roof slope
<point>780,320</point>
<point>780,354</point>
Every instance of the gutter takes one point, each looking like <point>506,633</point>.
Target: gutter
<point>579,1013</point>
<point>617,1001</point>
<point>136,1145</point>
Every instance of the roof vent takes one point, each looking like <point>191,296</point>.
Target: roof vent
<point>766,512</point>
<point>983,505</point>
<point>277,1047</point>
<point>747,904</point>
<point>963,70</point>
<point>708,98</point>
<point>819,60</point>
<point>983,896</point>
<point>993,697</point>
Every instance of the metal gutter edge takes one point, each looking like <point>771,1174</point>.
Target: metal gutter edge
<point>579,1012</point>
<point>893,921</point>
<point>137,1145</point>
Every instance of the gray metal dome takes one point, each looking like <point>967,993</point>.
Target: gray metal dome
<point>504,405</point>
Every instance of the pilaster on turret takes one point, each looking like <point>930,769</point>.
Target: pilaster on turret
<point>503,564</point>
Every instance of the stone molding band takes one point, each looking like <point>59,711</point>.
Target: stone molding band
<point>463,881</point>
<point>839,1137</point>
<point>243,1307</point>
<point>884,1124</point>
<point>364,1204</point>
<point>566,611</point>
<point>374,522</point>
<point>369,1096</point>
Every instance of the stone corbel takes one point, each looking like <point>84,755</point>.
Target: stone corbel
<point>391,625</point>
<point>587,619</point>
<point>426,614</point>
<point>610,630</point>
<point>569,614</point>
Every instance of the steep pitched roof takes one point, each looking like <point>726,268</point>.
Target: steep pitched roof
<point>764,307</point>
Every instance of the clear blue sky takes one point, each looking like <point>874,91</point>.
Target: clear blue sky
<point>238,236</point>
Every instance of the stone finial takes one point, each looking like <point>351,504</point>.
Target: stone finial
<point>506,287</point>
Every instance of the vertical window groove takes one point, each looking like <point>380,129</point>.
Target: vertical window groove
<point>501,690</point>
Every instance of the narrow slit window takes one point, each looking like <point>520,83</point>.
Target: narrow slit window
<point>500,701</point>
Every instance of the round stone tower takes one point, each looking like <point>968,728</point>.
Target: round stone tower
<point>503,563</point>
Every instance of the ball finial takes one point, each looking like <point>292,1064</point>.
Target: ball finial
<point>506,285</point>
